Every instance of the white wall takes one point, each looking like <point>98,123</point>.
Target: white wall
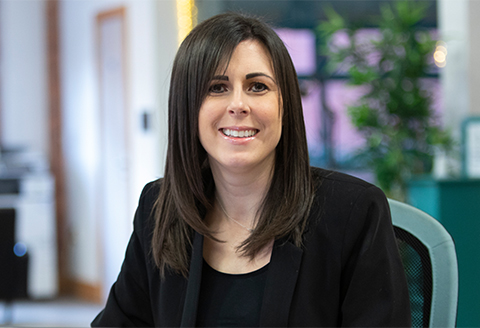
<point>459,27</point>
<point>166,48</point>
<point>151,44</point>
<point>474,58</point>
<point>454,30</point>
<point>23,79</point>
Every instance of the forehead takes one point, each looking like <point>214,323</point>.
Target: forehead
<point>247,55</point>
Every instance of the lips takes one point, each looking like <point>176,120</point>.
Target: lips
<point>239,133</point>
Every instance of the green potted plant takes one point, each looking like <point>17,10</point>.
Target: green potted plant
<point>395,114</point>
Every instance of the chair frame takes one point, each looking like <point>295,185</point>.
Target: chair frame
<point>437,240</point>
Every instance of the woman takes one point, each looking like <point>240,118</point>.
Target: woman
<point>241,231</point>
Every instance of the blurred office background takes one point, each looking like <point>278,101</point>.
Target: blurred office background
<point>83,125</point>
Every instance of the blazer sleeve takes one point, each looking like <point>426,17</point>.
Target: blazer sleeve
<point>374,287</point>
<point>128,304</point>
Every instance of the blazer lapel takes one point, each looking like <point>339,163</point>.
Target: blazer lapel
<point>280,285</point>
<point>189,315</point>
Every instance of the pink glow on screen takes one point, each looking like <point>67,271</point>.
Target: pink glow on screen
<point>339,95</point>
<point>301,47</point>
<point>311,114</point>
<point>345,137</point>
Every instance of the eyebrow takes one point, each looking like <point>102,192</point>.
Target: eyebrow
<point>253,75</point>
<point>248,76</point>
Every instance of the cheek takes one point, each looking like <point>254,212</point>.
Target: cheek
<point>275,126</point>
<point>207,119</point>
<point>275,118</point>
<point>280,130</point>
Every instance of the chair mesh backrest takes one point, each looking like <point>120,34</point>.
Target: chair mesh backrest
<point>418,270</point>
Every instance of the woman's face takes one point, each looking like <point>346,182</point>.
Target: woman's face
<point>240,120</point>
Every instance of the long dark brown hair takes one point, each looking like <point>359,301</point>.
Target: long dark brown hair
<point>187,189</point>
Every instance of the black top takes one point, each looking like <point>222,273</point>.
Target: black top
<point>230,300</point>
<point>347,273</point>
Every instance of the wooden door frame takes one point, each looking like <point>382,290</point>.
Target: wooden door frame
<point>67,284</point>
<point>55,140</point>
<point>102,16</point>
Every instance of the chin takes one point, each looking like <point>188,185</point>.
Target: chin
<point>246,165</point>
<point>239,165</point>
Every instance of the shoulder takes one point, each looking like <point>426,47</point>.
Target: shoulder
<point>347,213</point>
<point>150,192</point>
<point>341,199</point>
<point>341,187</point>
<point>333,179</point>
<point>146,204</point>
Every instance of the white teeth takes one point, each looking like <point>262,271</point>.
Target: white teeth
<point>239,134</point>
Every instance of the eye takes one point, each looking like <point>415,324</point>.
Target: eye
<point>258,87</point>
<point>217,88</point>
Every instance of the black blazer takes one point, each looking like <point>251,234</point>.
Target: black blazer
<point>348,272</point>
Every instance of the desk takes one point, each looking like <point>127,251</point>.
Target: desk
<point>456,204</point>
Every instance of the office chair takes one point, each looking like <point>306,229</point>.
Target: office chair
<point>430,262</point>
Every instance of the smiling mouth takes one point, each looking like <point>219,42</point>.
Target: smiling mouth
<point>239,134</point>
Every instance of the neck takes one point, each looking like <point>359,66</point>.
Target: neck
<point>241,194</point>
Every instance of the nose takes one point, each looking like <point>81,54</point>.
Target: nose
<point>238,104</point>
